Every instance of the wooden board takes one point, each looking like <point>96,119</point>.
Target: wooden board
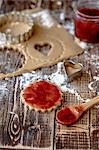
<point>21,128</point>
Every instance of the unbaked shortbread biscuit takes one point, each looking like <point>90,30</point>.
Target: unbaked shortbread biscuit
<point>17,27</point>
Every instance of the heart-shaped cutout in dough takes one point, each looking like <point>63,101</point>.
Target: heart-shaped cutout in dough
<point>44,48</point>
<point>55,51</point>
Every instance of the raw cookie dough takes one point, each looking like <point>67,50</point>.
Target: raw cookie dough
<point>61,43</point>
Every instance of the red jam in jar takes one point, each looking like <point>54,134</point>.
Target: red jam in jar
<point>87,21</point>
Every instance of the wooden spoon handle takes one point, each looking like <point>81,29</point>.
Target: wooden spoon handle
<point>91,103</point>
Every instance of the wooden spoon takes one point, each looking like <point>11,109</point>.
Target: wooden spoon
<point>71,114</point>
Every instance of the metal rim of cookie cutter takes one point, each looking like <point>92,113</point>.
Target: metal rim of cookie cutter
<point>17,17</point>
<point>20,49</point>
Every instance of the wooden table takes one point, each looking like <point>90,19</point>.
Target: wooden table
<point>22,128</point>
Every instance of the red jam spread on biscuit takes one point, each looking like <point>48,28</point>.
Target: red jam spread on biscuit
<point>42,95</point>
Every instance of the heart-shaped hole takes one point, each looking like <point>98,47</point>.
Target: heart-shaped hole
<point>43,48</point>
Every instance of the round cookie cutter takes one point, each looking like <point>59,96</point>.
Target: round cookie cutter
<point>17,27</point>
<point>14,61</point>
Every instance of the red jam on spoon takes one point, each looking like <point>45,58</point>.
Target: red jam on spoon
<point>71,114</point>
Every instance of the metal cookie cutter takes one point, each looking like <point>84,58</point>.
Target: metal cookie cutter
<point>16,26</point>
<point>73,69</point>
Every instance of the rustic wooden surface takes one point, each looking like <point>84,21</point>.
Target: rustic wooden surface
<point>85,133</point>
<point>22,128</point>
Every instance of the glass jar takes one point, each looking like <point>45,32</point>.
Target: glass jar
<point>86,21</point>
